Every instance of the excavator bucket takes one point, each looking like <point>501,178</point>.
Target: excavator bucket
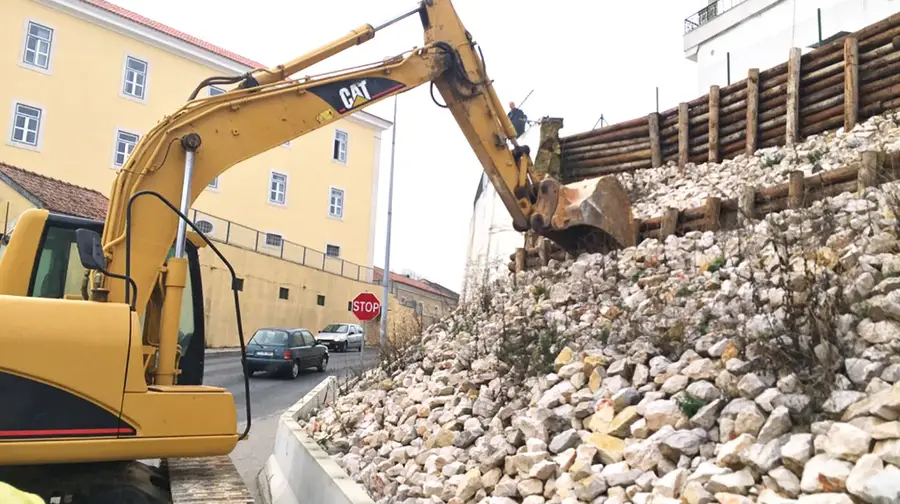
<point>592,215</point>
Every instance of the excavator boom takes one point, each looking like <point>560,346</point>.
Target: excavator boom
<point>269,108</point>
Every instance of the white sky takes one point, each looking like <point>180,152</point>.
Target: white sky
<point>582,58</point>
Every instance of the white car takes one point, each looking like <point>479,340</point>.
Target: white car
<point>342,337</point>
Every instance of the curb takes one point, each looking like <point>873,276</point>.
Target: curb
<point>221,352</point>
<point>299,471</point>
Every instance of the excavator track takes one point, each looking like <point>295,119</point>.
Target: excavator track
<point>206,480</point>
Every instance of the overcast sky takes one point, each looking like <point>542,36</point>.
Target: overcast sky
<point>582,58</point>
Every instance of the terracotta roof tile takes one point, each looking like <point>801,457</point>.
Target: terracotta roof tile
<point>168,30</point>
<point>59,196</point>
<point>403,279</point>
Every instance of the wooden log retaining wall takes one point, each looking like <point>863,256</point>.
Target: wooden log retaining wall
<point>837,85</point>
<point>752,203</point>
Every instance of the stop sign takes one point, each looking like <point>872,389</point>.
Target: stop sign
<point>366,306</point>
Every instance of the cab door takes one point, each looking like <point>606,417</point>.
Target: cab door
<point>62,358</point>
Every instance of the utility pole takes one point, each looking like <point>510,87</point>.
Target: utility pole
<point>386,277</point>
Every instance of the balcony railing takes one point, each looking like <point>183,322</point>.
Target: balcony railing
<point>232,233</point>
<point>708,13</point>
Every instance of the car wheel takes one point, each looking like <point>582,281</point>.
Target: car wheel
<point>295,370</point>
<point>344,346</point>
<point>323,364</point>
<point>361,344</point>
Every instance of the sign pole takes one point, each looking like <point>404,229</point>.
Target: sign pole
<point>386,277</point>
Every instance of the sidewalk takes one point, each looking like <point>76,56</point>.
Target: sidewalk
<point>222,352</point>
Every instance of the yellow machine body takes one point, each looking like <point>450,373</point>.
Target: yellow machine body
<point>102,370</point>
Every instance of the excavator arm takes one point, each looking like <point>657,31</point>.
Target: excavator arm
<point>207,136</point>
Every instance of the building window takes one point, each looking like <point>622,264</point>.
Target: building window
<point>277,188</point>
<point>125,143</point>
<point>213,90</point>
<point>135,77</point>
<point>339,152</point>
<point>274,240</point>
<point>336,203</point>
<point>37,45</point>
<point>283,293</point>
<point>349,305</point>
<point>333,250</point>
<point>214,184</point>
<point>26,124</point>
<point>320,300</point>
<point>205,226</point>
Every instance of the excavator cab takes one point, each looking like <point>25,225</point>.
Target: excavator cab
<point>75,374</point>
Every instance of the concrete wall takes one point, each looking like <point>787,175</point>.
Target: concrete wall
<point>77,137</point>
<point>491,235</point>
<point>299,471</point>
<point>760,33</point>
<point>261,306</point>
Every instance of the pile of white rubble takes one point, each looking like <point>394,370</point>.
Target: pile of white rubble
<point>757,365</point>
<point>654,190</point>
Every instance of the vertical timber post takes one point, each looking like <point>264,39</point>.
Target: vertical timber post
<point>684,146</point>
<point>714,124</point>
<point>747,204</point>
<point>544,250</point>
<point>520,260</point>
<point>637,231</point>
<point>669,223</point>
<point>795,189</point>
<point>655,152</point>
<point>792,120</point>
<point>868,170</point>
<point>851,83</point>
<point>711,214</point>
<point>752,110</point>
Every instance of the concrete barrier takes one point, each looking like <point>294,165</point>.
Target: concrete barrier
<point>299,471</point>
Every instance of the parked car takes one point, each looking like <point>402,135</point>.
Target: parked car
<point>342,337</point>
<point>284,351</point>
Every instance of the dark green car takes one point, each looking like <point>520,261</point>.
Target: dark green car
<point>285,352</point>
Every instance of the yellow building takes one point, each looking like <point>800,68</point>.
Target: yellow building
<point>84,79</point>
<point>276,291</point>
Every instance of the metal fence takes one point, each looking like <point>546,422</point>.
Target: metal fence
<point>708,13</point>
<point>237,235</point>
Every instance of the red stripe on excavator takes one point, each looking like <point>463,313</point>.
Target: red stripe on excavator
<point>66,432</point>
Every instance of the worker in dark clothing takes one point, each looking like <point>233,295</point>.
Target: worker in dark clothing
<point>517,118</point>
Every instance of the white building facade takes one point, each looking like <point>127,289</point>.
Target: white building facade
<point>731,36</point>
<point>491,235</point>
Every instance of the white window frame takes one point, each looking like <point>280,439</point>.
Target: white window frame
<point>214,185</point>
<point>209,91</point>
<point>333,245</point>
<point>211,223</point>
<point>122,93</point>
<point>115,151</point>
<point>42,121</point>
<point>31,66</point>
<point>272,174</point>
<point>343,203</point>
<point>265,242</point>
<point>346,146</point>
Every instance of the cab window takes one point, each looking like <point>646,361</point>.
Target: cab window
<point>59,272</point>
<point>308,339</point>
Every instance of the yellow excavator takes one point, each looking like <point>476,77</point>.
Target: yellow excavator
<point>102,341</point>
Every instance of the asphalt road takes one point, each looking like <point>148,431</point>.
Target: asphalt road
<point>269,397</point>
